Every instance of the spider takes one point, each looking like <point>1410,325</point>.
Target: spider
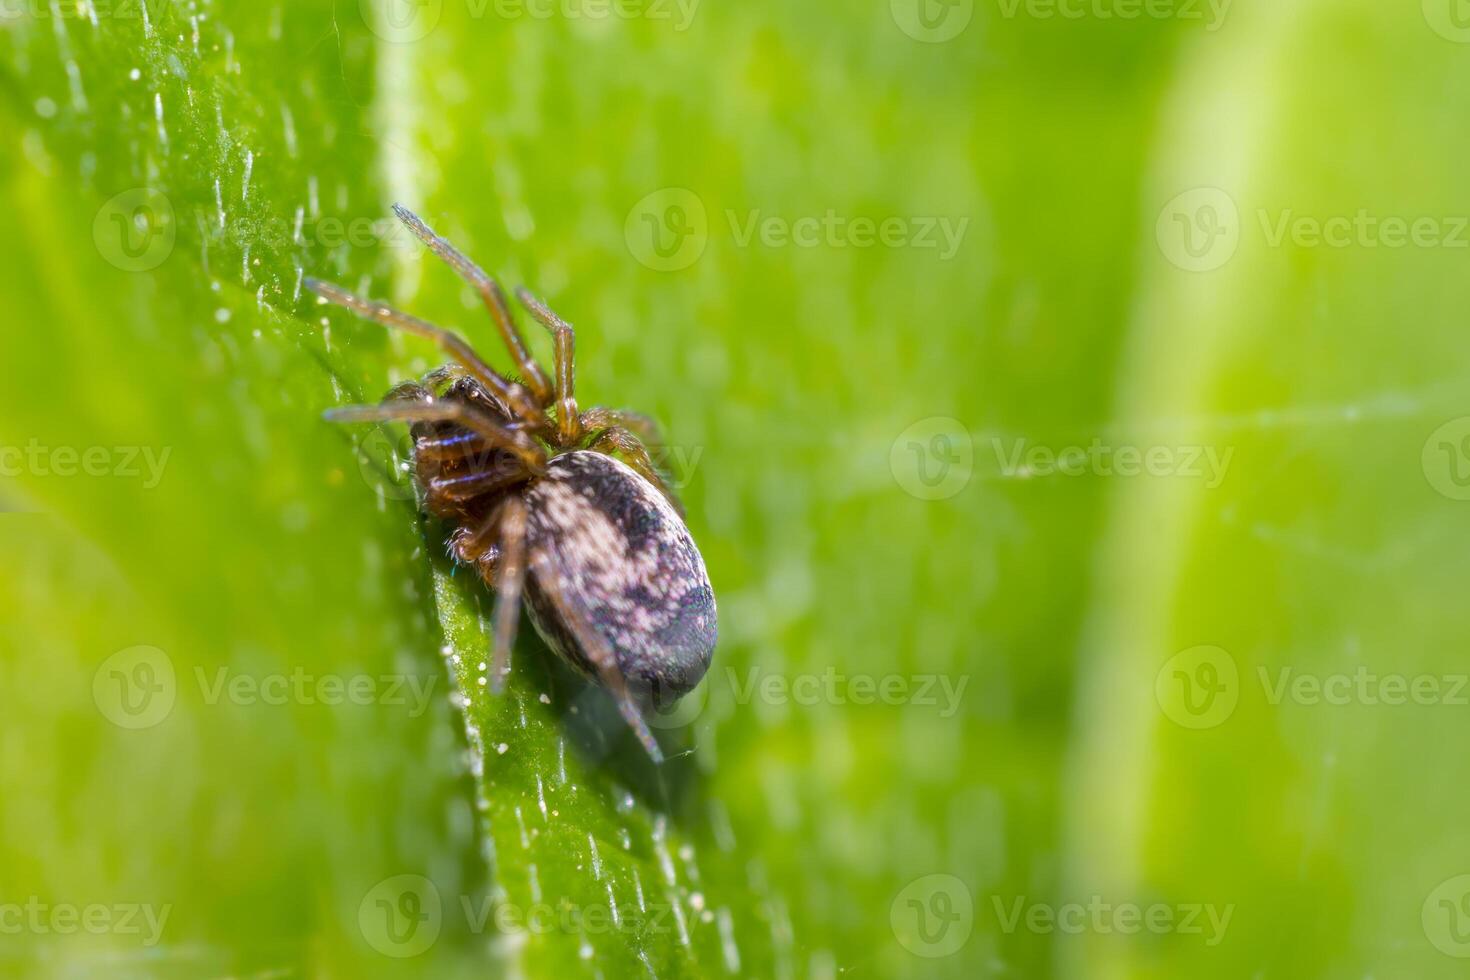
<point>559,507</point>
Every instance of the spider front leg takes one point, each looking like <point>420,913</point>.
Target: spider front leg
<point>514,396</point>
<point>514,441</point>
<point>490,294</point>
<point>619,443</point>
<point>568,419</point>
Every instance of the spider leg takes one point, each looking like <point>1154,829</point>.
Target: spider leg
<point>618,440</point>
<point>510,578</point>
<point>598,652</point>
<point>481,423</point>
<point>409,391</point>
<point>568,419</point>
<point>471,546</point>
<point>645,427</point>
<point>490,293</point>
<point>458,489</point>
<point>512,394</point>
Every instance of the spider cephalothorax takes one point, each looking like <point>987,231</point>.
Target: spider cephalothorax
<point>565,506</point>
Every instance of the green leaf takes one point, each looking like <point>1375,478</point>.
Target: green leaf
<point>260,674</point>
<point>862,264</point>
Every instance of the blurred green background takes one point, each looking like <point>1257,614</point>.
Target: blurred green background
<point>1068,396</point>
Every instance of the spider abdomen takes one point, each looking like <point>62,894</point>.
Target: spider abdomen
<point>608,554</point>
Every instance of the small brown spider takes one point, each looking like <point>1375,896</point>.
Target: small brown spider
<point>565,506</point>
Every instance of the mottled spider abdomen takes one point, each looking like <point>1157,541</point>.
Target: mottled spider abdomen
<point>623,564</point>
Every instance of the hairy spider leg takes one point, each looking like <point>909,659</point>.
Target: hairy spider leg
<point>492,295</point>
<point>597,650</point>
<point>510,578</point>
<point>514,395</point>
<point>469,416</point>
<point>569,420</point>
<point>618,441</point>
<point>637,428</point>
